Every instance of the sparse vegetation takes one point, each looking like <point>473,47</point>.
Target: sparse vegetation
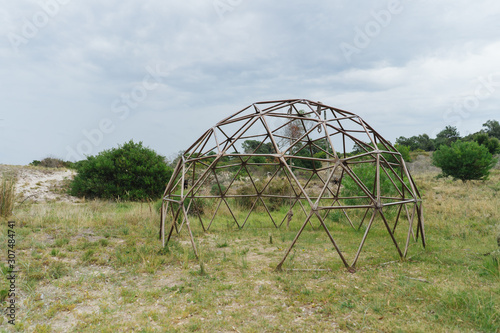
<point>90,266</point>
<point>52,162</point>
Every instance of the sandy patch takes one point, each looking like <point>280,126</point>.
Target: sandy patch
<point>44,185</point>
<point>41,184</point>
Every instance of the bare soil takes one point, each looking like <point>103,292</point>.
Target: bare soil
<point>38,184</point>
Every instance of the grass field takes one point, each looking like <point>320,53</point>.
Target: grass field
<point>99,266</point>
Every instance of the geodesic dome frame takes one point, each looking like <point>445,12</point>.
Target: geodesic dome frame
<point>298,143</point>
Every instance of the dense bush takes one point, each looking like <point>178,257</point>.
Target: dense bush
<point>488,136</point>
<point>464,160</point>
<point>129,172</point>
<point>256,147</point>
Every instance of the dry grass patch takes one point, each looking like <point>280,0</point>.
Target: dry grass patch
<point>99,266</point>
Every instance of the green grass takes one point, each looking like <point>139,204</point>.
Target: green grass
<point>99,266</point>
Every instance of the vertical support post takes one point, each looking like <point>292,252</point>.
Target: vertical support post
<point>364,237</point>
<point>189,229</point>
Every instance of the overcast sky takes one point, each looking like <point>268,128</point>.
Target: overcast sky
<point>78,77</point>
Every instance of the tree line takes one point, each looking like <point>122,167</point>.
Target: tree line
<point>465,158</point>
<point>488,136</point>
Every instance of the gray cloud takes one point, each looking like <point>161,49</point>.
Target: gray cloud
<point>413,72</point>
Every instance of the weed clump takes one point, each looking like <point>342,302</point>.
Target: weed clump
<point>275,195</point>
<point>7,195</point>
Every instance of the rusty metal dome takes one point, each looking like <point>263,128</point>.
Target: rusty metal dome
<point>321,158</point>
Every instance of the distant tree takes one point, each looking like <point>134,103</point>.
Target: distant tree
<point>306,151</point>
<point>464,160</point>
<point>422,141</point>
<point>447,136</point>
<point>425,143</point>
<point>293,130</point>
<point>493,146</point>
<point>411,143</point>
<point>129,172</point>
<point>492,128</point>
<point>321,146</point>
<point>492,143</point>
<point>252,147</point>
<point>482,138</point>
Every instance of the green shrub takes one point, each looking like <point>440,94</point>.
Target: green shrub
<point>464,160</point>
<point>258,159</point>
<point>404,151</point>
<point>366,172</point>
<point>129,172</point>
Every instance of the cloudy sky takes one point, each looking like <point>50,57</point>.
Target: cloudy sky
<point>78,77</point>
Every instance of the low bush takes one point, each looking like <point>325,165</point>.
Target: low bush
<point>274,188</point>
<point>129,172</point>
<point>464,160</point>
<point>52,162</point>
<point>197,207</point>
<point>216,190</point>
<point>245,202</point>
<point>278,189</point>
